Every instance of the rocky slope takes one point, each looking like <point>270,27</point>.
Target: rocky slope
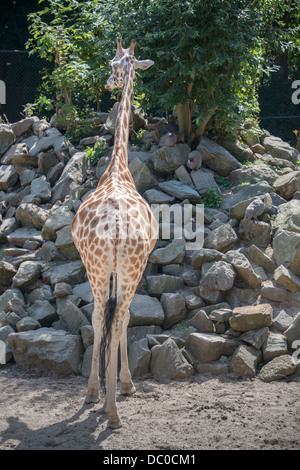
<point>233,305</point>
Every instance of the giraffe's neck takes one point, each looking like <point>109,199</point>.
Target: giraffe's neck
<point>123,118</point>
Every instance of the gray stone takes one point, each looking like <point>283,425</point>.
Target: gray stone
<point>286,185</point>
<point>43,312</point>
<point>202,323</point>
<point>172,253</point>
<point>84,291</point>
<point>159,284</point>
<point>26,177</point>
<point>205,255</point>
<point>190,275</point>
<point>286,246</point>
<point>7,272</point>
<point>204,181</point>
<point>27,324</point>
<point>253,174</point>
<point>206,347</point>
<point>282,321</point>
<point>255,337</point>
<point>255,233</point>
<point>243,268</point>
<point>22,126</point>
<point>87,335</point>
<point>260,258</point>
<point>280,149</point>
<point>274,345</point>
<point>220,315</point>
<point>292,333</point>
<point>31,215</point>
<point>220,276</point>
<point>278,368</point>
<point>286,278</point>
<point>142,176</point>
<point>27,274</point>
<point>145,310</point>
<point>40,187</point>
<point>43,144</point>
<point>213,368</point>
<point>62,289</point>
<point>8,177</point>
<point>72,273</point>
<point>174,308</point>
<point>143,156</point>
<point>211,296</point>
<point>244,361</point>
<point>72,318</point>
<point>245,193</point>
<point>65,243</point>
<point>153,196</point>
<point>139,356</point>
<point>167,159</point>
<point>48,349</point>
<point>221,239</point>
<point>57,219</point>
<point>7,226</point>
<point>73,175</point>
<point>179,190</point>
<point>7,137</point>
<point>251,317</point>
<point>46,161</point>
<point>217,158</point>
<point>288,216</point>
<point>273,293</point>
<point>183,176</point>
<point>167,362</point>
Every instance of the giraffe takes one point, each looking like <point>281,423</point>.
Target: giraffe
<point>114,231</point>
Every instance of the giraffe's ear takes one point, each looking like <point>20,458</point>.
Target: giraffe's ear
<point>143,64</point>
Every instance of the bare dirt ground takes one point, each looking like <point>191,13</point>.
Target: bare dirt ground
<point>42,411</point>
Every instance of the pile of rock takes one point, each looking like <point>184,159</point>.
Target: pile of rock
<point>233,305</point>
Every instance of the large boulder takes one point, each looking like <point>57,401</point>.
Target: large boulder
<point>217,158</point>
<point>58,218</point>
<point>286,185</point>
<point>180,190</point>
<point>172,253</point>
<point>280,149</point>
<point>251,317</point>
<point>253,174</point>
<point>49,349</point>
<point>31,215</point>
<point>286,278</point>
<point>142,176</point>
<point>158,284</point>
<point>167,159</point>
<point>207,347</point>
<point>220,276</point>
<point>73,175</point>
<point>7,137</point>
<point>204,180</point>
<point>8,177</point>
<point>145,310</point>
<point>244,361</point>
<point>168,362</point>
<point>288,216</point>
<point>286,247</point>
<point>174,308</point>
<point>243,268</point>
<point>221,239</point>
<point>255,233</point>
<point>278,368</point>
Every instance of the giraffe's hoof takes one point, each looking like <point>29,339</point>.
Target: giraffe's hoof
<point>127,389</point>
<point>92,397</point>
<point>114,424</point>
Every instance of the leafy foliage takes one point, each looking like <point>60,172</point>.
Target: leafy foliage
<point>212,200</point>
<point>94,154</point>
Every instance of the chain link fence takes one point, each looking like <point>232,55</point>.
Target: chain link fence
<point>21,74</point>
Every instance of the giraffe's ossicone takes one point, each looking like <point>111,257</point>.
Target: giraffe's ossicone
<point>114,231</point>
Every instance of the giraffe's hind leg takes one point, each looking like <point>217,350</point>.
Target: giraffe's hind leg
<point>92,395</point>
<point>127,386</point>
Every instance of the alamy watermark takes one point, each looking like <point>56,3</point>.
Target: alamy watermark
<point>296,354</point>
<point>296,94</point>
<point>122,221</point>
<point>2,352</point>
<point>2,92</point>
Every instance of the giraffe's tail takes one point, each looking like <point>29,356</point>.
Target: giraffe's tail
<point>109,313</point>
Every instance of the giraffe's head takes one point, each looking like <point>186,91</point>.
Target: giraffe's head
<point>121,63</point>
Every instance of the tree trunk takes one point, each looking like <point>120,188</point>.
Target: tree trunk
<point>184,117</point>
<point>200,130</point>
<point>68,98</point>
